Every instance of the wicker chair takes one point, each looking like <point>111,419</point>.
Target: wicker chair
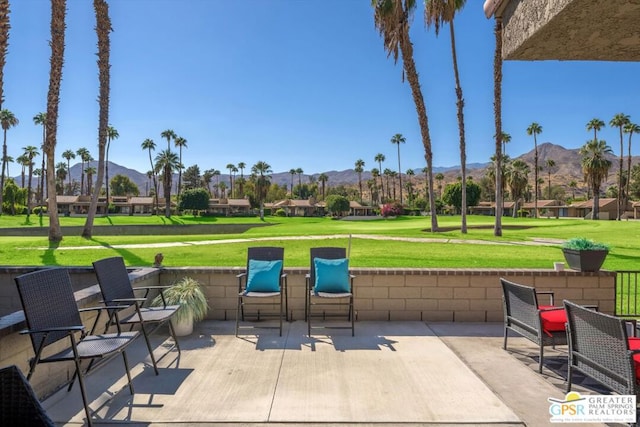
<point>52,316</point>
<point>19,405</point>
<point>600,348</point>
<point>341,296</point>
<point>263,281</point>
<point>543,325</point>
<point>117,291</point>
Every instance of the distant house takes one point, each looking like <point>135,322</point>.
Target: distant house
<point>229,207</point>
<point>607,209</point>
<point>356,209</point>
<point>548,208</point>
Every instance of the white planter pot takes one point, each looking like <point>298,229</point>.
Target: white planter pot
<point>184,327</point>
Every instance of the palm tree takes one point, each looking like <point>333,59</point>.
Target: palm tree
<point>409,185</point>
<point>167,162</point>
<point>550,165</point>
<point>630,128</point>
<point>30,152</point>
<point>506,138</point>
<point>535,129</point>
<point>7,120</point>
<point>299,171</point>
<point>323,178</point>
<point>216,173</point>
<point>231,166</point>
<point>439,177</point>
<point>517,176</point>
<point>387,174</point>
<point>497,115</point>
<point>41,119</point>
<point>398,139</point>
<point>23,161</point>
<point>375,173</point>
<point>437,12</point>
<point>620,120</point>
<point>58,15</point>
<point>61,175</point>
<point>180,142</point>
<point>392,21</point>
<point>573,185</point>
<point>68,155</point>
<point>380,158</point>
<point>292,172</point>
<point>262,170</point>
<point>169,134</point>
<point>595,167</point>
<point>90,171</point>
<point>241,166</point>
<point>149,145</point>
<point>595,125</point>
<point>84,155</point>
<point>4,43</point>
<point>206,178</point>
<point>112,133</point>
<point>359,168</point>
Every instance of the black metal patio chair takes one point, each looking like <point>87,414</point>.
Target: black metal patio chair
<point>262,284</point>
<point>330,285</point>
<point>19,405</point>
<point>117,291</point>
<point>52,316</point>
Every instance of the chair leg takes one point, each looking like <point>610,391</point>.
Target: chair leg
<point>541,357</point>
<point>82,391</point>
<point>353,317</point>
<point>146,339</point>
<point>569,374</point>
<point>126,367</point>
<point>506,333</point>
<point>281,313</point>
<point>308,314</point>
<point>238,314</point>
<point>173,335</point>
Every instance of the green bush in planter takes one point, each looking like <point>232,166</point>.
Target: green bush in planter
<point>187,293</point>
<point>584,244</point>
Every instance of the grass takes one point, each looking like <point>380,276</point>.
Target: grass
<point>452,249</point>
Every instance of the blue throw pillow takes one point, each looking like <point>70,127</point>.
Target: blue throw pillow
<point>332,275</point>
<point>264,276</point>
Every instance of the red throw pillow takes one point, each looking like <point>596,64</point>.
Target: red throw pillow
<point>553,321</point>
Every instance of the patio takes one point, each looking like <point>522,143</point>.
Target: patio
<point>390,373</point>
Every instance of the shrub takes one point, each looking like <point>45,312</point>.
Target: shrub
<point>391,209</point>
<point>280,212</point>
<point>584,244</point>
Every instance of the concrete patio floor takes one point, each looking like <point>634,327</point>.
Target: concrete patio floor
<point>390,373</point>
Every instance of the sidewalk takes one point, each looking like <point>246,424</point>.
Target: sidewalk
<point>390,373</point>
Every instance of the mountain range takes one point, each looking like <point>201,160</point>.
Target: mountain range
<point>567,168</point>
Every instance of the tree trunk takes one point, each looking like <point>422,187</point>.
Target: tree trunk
<point>460,114</point>
<point>497,112</point>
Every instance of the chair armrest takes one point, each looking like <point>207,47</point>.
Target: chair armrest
<point>550,293</point>
<point>241,275</point>
<point>546,310</point>
<point>140,300</point>
<point>140,288</point>
<point>57,329</point>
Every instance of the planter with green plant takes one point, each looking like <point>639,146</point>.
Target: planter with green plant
<point>187,293</point>
<point>583,254</point>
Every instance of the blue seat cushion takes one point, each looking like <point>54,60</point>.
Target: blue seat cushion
<point>332,275</point>
<point>264,276</point>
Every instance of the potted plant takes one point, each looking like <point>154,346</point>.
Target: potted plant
<point>583,254</point>
<point>187,293</point>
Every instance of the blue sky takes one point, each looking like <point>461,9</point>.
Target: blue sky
<point>295,83</point>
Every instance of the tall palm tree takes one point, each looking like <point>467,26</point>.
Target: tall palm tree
<point>323,178</point>
<point>105,131</point>
<point>437,12</point>
<point>167,162</point>
<point>4,44</point>
<point>409,185</point>
<point>68,155</point>
<point>535,129</point>
<point>7,120</point>
<point>262,170</point>
<point>207,175</point>
<point>149,145</point>
<point>112,133</point>
<point>550,165</point>
<point>58,15</point>
<point>517,175</point>
<point>292,172</point>
<point>84,155</point>
<point>380,158</point>
<point>23,161</point>
<point>573,185</point>
<point>30,152</point>
<point>180,142</point>
<point>231,166</point>
<point>41,119</point>
<point>387,175</point>
<point>61,174</point>
<point>299,171</point>
<point>595,125</point>
<point>439,177</point>
<point>392,20</point>
<point>90,171</point>
<point>595,167</point>
<point>398,139</point>
<point>241,167</point>
<point>620,120</point>
<point>497,116</point>
<point>216,174</point>
<point>506,138</point>
<point>169,134</point>
<point>630,128</point>
<point>375,173</point>
<point>359,168</point>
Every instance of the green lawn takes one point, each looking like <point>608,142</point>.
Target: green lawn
<point>508,251</point>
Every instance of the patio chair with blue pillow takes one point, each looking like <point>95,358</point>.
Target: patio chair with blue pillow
<point>53,317</point>
<point>330,286</point>
<point>263,284</point>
